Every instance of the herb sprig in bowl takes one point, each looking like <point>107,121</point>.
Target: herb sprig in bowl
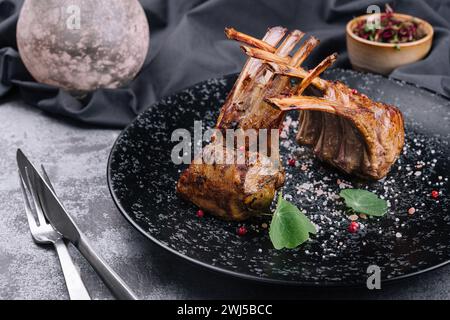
<point>382,42</point>
<point>389,28</point>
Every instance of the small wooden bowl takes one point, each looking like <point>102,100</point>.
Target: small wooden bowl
<point>383,58</point>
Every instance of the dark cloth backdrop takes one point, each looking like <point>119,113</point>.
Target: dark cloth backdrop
<point>188,45</point>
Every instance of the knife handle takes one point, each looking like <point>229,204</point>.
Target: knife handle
<point>111,279</point>
<point>74,283</point>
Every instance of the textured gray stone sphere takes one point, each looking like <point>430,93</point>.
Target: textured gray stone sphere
<point>82,45</point>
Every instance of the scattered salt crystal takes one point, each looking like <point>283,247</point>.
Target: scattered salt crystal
<point>319,192</point>
<point>417,173</point>
<point>398,235</point>
<point>353,217</point>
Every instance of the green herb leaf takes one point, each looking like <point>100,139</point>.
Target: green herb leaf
<point>289,227</point>
<point>369,27</point>
<point>397,47</point>
<point>362,201</point>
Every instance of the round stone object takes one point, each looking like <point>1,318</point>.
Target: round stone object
<point>82,45</point>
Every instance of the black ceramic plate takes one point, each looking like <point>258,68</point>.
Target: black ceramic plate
<point>142,181</point>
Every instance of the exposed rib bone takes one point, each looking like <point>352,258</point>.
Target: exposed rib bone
<point>285,48</point>
<point>272,37</point>
<point>296,73</point>
<point>289,43</point>
<point>304,103</point>
<point>233,34</point>
<point>264,55</point>
<point>259,114</point>
<point>304,51</point>
<point>281,66</point>
<point>321,67</point>
<point>280,56</point>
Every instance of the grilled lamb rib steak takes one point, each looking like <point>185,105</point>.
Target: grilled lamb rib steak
<point>348,130</point>
<point>231,191</point>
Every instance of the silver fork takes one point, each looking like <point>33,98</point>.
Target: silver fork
<point>43,233</point>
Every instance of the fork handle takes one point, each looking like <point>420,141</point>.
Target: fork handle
<point>74,283</point>
<point>111,279</point>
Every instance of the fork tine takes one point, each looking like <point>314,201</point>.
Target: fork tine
<point>26,201</point>
<point>37,204</point>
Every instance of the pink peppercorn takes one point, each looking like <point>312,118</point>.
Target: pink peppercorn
<point>200,213</point>
<point>242,231</point>
<point>353,227</point>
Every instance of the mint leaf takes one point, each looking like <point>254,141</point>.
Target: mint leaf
<point>362,201</point>
<point>289,227</point>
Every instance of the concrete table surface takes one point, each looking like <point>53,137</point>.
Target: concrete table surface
<point>75,157</point>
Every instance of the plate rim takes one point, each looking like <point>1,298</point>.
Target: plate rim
<point>239,275</point>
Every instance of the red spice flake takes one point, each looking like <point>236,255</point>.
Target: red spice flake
<point>411,211</point>
<point>200,213</point>
<point>353,227</point>
<point>242,231</point>
<point>354,91</point>
<point>291,162</point>
<point>435,194</point>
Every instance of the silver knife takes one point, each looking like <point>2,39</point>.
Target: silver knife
<point>64,224</point>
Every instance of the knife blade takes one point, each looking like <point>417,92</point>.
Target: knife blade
<point>62,222</point>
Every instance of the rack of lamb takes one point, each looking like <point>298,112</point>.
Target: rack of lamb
<point>347,130</point>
